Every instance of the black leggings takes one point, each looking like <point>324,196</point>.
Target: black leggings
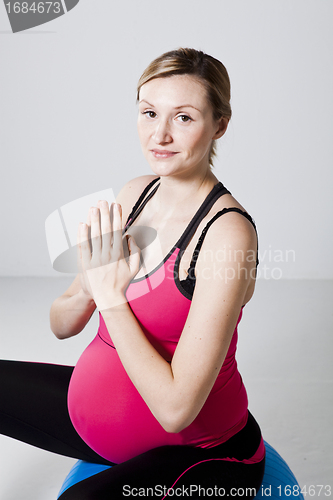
<point>33,409</point>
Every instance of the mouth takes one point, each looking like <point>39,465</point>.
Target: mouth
<point>163,153</point>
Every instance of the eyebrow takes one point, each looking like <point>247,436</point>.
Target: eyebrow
<point>178,107</point>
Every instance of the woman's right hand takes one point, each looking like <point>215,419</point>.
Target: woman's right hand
<point>84,285</point>
<point>84,282</point>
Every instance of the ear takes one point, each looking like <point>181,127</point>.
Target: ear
<point>222,125</point>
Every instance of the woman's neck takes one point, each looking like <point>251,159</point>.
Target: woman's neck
<point>175,194</point>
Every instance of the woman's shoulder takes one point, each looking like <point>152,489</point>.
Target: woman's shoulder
<point>228,252</point>
<point>228,225</point>
<point>230,217</point>
<point>231,228</point>
<point>131,191</point>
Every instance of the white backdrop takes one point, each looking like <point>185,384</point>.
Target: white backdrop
<point>68,117</point>
<point>68,129</point>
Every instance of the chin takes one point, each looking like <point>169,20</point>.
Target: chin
<point>165,170</point>
<point>162,166</point>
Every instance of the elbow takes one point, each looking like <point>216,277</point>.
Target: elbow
<point>173,427</point>
<point>61,332</point>
<point>54,323</point>
<point>175,421</point>
<point>60,328</point>
<point>59,335</point>
<point>56,331</point>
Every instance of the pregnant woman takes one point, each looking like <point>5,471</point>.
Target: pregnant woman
<point>157,394</point>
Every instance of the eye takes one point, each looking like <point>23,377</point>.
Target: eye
<point>149,114</point>
<point>184,118</point>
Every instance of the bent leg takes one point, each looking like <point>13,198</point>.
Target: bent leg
<point>33,408</point>
<point>190,472</point>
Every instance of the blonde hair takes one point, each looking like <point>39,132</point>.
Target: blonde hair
<point>211,72</point>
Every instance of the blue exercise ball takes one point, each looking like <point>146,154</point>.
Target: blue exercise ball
<point>80,471</point>
<point>278,482</point>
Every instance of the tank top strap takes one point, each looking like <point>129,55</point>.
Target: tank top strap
<point>217,191</point>
<point>137,208</point>
<point>190,271</point>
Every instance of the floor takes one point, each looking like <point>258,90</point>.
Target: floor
<point>285,358</point>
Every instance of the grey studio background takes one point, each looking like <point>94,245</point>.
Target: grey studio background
<point>68,129</point>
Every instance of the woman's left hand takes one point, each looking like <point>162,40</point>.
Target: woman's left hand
<point>105,270</point>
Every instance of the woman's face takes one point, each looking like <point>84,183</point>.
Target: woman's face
<point>175,124</point>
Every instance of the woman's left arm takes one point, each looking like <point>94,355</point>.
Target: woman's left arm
<point>176,392</point>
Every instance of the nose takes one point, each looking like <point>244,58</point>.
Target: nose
<point>162,133</point>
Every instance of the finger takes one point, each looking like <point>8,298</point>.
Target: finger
<point>84,248</point>
<point>117,230</point>
<point>79,251</point>
<point>89,230</point>
<point>95,230</point>
<point>134,256</point>
<point>105,225</point>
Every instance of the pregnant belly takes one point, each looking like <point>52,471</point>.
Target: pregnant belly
<point>106,409</point>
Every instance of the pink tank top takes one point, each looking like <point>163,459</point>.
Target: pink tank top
<point>104,406</point>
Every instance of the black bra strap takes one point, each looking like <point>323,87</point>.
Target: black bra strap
<point>136,210</point>
<point>217,191</point>
<point>204,232</point>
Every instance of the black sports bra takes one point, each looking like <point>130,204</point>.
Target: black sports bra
<point>218,190</point>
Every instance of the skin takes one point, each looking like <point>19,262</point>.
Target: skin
<point>186,132</point>
<point>176,130</point>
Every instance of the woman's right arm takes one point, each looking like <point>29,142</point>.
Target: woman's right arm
<point>71,311</point>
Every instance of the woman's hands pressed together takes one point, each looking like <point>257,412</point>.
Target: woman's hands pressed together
<point>105,272</point>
